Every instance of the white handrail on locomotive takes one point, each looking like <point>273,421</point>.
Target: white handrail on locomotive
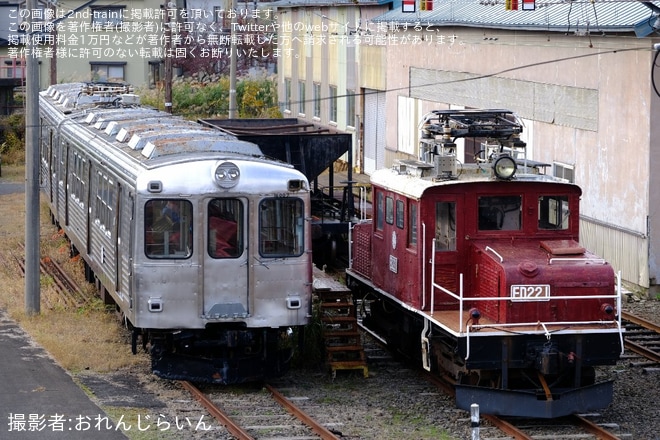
<point>461,299</point>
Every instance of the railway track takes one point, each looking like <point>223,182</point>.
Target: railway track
<point>275,416</point>
<point>68,292</point>
<point>642,337</point>
<point>575,426</point>
<point>268,413</point>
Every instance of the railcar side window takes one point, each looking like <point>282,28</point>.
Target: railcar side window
<point>225,228</point>
<point>78,176</point>
<point>553,212</point>
<point>168,228</point>
<point>500,213</point>
<point>104,211</point>
<point>445,226</point>
<point>281,226</point>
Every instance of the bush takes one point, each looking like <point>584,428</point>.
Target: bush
<point>12,139</point>
<point>255,98</point>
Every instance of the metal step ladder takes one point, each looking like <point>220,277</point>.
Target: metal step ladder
<point>341,336</point>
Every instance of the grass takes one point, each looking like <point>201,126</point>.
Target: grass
<point>79,338</point>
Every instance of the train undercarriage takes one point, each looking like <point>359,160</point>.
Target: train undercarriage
<point>220,355</point>
<point>507,375</point>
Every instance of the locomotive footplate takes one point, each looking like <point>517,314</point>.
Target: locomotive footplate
<point>528,403</point>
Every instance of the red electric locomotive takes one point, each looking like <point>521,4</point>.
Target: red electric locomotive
<point>476,271</point>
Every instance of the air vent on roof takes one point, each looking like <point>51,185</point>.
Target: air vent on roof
<point>101,124</point>
<point>112,128</point>
<point>136,142</point>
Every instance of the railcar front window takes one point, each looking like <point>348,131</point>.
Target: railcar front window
<point>225,228</point>
<point>281,226</point>
<point>168,228</point>
<point>500,213</point>
<point>553,212</point>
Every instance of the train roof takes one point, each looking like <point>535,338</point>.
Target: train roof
<point>112,112</point>
<point>413,178</point>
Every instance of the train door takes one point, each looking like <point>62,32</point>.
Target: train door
<point>449,236</point>
<point>226,258</point>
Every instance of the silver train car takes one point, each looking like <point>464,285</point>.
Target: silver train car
<point>202,242</point>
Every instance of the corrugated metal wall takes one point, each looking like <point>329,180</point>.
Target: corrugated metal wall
<point>627,251</point>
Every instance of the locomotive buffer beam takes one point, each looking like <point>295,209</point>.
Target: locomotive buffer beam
<point>534,404</point>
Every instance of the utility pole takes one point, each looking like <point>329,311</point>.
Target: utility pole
<point>32,221</point>
<point>232,61</point>
<point>168,56</point>
<point>53,60</point>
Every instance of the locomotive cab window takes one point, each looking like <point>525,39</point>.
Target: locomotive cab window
<point>445,226</point>
<point>553,212</point>
<point>225,228</point>
<point>380,210</point>
<point>167,228</point>
<point>500,213</point>
<point>281,225</point>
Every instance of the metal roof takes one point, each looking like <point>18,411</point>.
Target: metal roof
<point>569,16</point>
<point>324,3</point>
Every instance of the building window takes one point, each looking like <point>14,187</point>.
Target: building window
<point>333,103</point>
<point>350,108</point>
<point>108,72</point>
<point>301,97</point>
<point>219,15</point>
<point>287,94</point>
<point>563,171</point>
<point>107,15</point>
<point>156,74</point>
<point>317,100</point>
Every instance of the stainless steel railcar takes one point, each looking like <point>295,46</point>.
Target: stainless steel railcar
<point>202,242</point>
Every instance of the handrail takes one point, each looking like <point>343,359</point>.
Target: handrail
<point>578,260</point>
<point>488,248</point>
<point>462,298</point>
<point>424,266</point>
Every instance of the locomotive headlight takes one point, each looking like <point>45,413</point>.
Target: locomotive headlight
<point>227,175</point>
<point>504,167</point>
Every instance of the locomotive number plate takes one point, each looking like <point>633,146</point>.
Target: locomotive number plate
<point>530,292</point>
